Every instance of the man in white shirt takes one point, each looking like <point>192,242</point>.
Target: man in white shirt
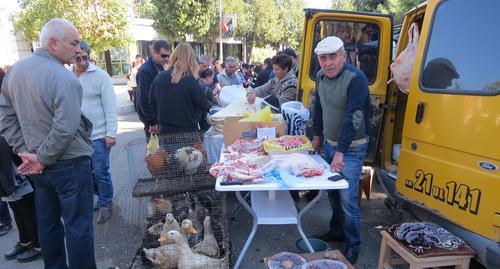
<point>99,105</point>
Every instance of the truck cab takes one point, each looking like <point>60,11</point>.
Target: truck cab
<point>437,148</point>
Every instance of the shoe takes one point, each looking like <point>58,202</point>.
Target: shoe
<point>351,254</point>
<point>16,250</point>
<point>104,214</point>
<point>4,229</point>
<point>331,237</point>
<point>29,255</point>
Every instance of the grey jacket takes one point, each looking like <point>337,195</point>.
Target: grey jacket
<point>40,110</point>
<point>285,88</point>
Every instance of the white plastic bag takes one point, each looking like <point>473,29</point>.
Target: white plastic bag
<point>402,67</point>
<point>295,116</point>
<point>229,94</point>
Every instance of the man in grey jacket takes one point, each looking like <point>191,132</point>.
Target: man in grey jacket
<point>40,118</point>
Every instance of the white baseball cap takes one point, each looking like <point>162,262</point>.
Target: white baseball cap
<point>329,45</point>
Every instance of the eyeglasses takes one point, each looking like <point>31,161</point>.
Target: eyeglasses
<point>82,58</point>
<point>165,55</point>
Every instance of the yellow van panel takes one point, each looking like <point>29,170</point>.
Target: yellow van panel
<point>450,184</point>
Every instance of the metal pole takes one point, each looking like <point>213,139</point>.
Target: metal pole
<point>220,32</point>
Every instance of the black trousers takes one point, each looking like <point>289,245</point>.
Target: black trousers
<point>25,216</point>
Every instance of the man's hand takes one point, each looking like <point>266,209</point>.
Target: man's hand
<point>316,143</point>
<point>338,162</point>
<point>30,165</point>
<point>251,98</point>
<point>109,141</point>
<point>153,129</point>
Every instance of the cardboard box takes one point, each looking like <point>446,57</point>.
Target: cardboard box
<point>234,129</point>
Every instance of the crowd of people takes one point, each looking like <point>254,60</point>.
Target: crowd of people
<point>56,137</point>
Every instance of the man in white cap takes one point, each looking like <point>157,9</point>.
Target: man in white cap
<point>341,115</point>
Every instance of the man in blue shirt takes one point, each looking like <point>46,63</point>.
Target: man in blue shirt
<point>341,115</point>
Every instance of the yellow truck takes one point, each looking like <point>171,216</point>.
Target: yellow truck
<point>437,148</point>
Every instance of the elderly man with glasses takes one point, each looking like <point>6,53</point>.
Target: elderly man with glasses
<point>99,105</point>
<point>145,76</point>
<point>228,76</point>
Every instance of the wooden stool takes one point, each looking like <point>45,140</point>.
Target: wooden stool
<point>389,243</point>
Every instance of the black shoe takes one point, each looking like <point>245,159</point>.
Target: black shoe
<point>16,250</point>
<point>331,237</point>
<point>4,229</point>
<point>29,255</point>
<point>351,254</point>
<point>104,214</point>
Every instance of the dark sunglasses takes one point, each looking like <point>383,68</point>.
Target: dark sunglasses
<point>82,58</point>
<point>165,55</point>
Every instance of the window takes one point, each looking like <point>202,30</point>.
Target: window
<point>361,42</point>
<point>463,49</point>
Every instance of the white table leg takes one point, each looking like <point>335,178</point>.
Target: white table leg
<point>299,219</point>
<point>252,233</point>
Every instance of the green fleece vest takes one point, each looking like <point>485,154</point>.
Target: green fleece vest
<point>333,98</point>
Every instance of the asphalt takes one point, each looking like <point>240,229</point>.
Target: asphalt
<point>117,241</point>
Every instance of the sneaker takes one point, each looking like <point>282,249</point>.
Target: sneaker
<point>351,254</point>
<point>331,237</point>
<point>104,214</point>
<point>4,229</point>
<point>29,255</point>
<point>16,250</point>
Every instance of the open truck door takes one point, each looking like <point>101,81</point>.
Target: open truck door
<point>368,44</point>
<point>450,147</point>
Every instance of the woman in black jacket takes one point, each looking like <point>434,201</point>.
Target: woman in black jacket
<point>176,96</point>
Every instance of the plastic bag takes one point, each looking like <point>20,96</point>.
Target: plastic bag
<point>402,67</point>
<point>287,144</point>
<point>296,116</point>
<point>263,115</point>
<point>153,145</point>
<point>229,94</point>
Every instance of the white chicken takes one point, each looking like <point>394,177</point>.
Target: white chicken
<point>189,159</point>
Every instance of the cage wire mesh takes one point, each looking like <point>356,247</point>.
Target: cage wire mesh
<point>189,229</point>
<point>179,165</point>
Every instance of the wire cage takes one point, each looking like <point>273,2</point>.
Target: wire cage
<point>179,165</point>
<point>200,239</point>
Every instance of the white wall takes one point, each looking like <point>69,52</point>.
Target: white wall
<point>12,48</point>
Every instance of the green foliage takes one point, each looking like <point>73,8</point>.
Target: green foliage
<point>144,9</point>
<point>176,18</point>
<point>103,24</point>
<point>398,8</point>
<point>291,23</point>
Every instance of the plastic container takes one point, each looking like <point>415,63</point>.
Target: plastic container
<point>317,244</point>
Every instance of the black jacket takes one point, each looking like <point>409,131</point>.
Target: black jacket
<point>145,76</point>
<point>177,106</point>
<point>7,186</point>
<point>263,77</point>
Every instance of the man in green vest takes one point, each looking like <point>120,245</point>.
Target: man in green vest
<point>341,115</point>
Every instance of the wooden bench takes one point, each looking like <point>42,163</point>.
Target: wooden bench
<point>389,243</point>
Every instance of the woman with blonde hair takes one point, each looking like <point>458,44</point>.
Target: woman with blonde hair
<point>176,96</point>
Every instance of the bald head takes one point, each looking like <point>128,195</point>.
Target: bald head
<point>61,38</point>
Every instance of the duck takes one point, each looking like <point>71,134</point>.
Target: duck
<point>163,227</point>
<point>166,256</point>
<point>209,244</point>
<point>187,259</point>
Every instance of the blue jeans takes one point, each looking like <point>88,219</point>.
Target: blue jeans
<point>64,190</point>
<point>5,214</point>
<point>346,213</point>
<point>103,187</point>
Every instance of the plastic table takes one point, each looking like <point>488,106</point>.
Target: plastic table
<point>272,204</point>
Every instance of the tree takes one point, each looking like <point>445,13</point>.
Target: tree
<point>176,18</point>
<point>103,23</point>
<point>291,23</point>
<point>144,9</point>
